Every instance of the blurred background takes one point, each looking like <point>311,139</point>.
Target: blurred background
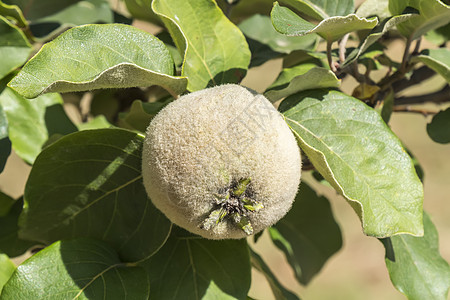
<point>358,270</point>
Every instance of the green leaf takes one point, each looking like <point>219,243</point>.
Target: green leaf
<point>103,197</point>
<point>140,114</point>
<point>439,36</point>
<point>6,202</point>
<point>417,269</point>
<point>308,235</point>
<point>385,26</point>
<point>10,243</point>
<point>5,143</point>
<point>14,12</point>
<point>141,9</point>
<point>214,49</point>
<point>77,269</point>
<point>300,78</point>
<point>260,29</point>
<point>14,47</point>
<point>369,8</point>
<point>278,290</point>
<point>436,59</point>
<point>32,122</point>
<point>322,9</point>
<point>331,29</point>
<point>7,268</point>
<point>266,43</point>
<point>439,128</point>
<point>98,122</point>
<point>355,151</point>
<point>190,267</point>
<point>80,13</point>
<point>34,10</point>
<point>432,14</point>
<point>98,56</point>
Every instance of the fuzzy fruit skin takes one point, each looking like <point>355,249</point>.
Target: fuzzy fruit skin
<point>203,141</point>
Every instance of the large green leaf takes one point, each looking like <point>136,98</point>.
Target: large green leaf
<point>7,268</point>
<point>331,29</point>
<point>308,235</point>
<point>379,8</point>
<point>322,9</point>
<point>102,198</point>
<point>385,26</point>
<point>141,9</point>
<point>5,143</point>
<point>278,290</point>
<point>416,268</point>
<point>10,243</point>
<point>260,29</point>
<point>439,128</point>
<point>80,13</point>
<point>436,59</point>
<point>432,14</point>
<point>77,269</point>
<point>351,146</point>
<point>301,78</point>
<point>98,56</point>
<point>266,43</point>
<point>14,47</point>
<point>214,49</point>
<point>32,122</point>
<point>190,267</point>
<point>34,10</point>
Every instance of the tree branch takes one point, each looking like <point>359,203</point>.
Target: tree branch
<point>440,96</point>
<point>418,76</point>
<point>424,112</point>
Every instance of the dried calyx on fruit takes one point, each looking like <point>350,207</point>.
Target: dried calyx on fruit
<point>221,162</point>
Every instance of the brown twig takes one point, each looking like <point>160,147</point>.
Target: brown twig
<point>424,112</point>
<point>418,76</point>
<point>342,47</point>
<point>330,59</point>
<point>440,96</point>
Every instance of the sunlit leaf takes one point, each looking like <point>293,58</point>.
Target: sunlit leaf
<point>322,9</point>
<point>103,197</point>
<point>301,78</point>
<point>14,47</point>
<point>369,8</point>
<point>98,56</point>
<point>352,147</point>
<point>331,29</point>
<point>7,268</point>
<point>77,269</point>
<point>385,26</point>
<point>214,49</point>
<point>5,143</point>
<point>432,14</point>
<point>436,59</point>
<point>31,122</point>
<point>416,268</point>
